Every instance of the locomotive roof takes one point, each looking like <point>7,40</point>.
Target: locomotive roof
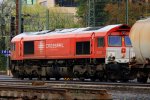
<point>74,30</point>
<point>104,30</point>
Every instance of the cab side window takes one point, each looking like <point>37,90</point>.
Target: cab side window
<point>100,41</point>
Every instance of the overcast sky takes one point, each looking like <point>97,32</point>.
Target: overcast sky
<point>1,1</point>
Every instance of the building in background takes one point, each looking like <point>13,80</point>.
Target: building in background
<point>66,6</point>
<point>29,2</point>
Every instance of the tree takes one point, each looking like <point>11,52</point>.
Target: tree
<point>82,12</point>
<point>37,17</point>
<point>6,9</point>
<point>113,11</point>
<point>101,15</point>
<point>117,13</point>
<point>2,62</point>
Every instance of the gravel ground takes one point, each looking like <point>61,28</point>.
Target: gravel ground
<point>126,95</point>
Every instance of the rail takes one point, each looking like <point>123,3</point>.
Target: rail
<point>50,93</point>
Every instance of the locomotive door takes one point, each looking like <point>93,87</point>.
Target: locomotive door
<point>93,44</point>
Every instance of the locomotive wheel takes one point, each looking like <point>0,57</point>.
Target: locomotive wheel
<point>124,80</point>
<point>30,77</point>
<point>93,79</point>
<point>86,75</point>
<point>39,77</point>
<point>34,73</point>
<point>22,77</point>
<point>100,75</point>
<point>113,80</point>
<point>139,79</point>
<point>145,79</point>
<point>142,77</point>
<point>76,74</point>
<point>57,78</point>
<point>81,79</point>
<point>47,78</point>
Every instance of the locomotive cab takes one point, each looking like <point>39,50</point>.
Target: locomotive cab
<point>119,52</point>
<point>119,46</point>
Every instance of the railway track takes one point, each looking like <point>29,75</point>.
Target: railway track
<point>10,87</point>
<point>77,84</point>
<point>14,81</point>
<point>29,90</point>
<point>49,93</point>
<point>58,89</point>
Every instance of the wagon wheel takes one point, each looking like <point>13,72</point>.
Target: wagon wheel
<point>81,79</point>
<point>142,79</point>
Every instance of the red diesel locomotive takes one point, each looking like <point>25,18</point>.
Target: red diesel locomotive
<point>94,52</point>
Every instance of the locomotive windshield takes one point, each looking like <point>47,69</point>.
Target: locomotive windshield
<point>114,40</point>
<point>127,41</point>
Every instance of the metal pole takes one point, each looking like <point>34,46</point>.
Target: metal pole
<point>47,19</point>
<point>118,20</point>
<point>7,56</point>
<point>127,12</point>
<point>91,13</point>
<point>18,16</point>
<point>20,8</point>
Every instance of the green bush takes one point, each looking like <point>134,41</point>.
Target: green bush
<point>2,62</point>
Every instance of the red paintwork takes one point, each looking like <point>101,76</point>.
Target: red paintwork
<point>63,46</point>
